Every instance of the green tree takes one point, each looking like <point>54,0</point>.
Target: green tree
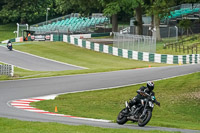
<point>78,6</point>
<point>111,9</point>
<point>24,11</point>
<point>135,6</point>
<point>186,24</point>
<point>158,9</point>
<point>1,4</point>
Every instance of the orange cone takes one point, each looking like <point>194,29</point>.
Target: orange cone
<point>56,110</point>
<point>149,66</point>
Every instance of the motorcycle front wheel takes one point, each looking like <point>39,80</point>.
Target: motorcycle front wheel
<point>121,118</point>
<point>10,48</point>
<point>143,121</point>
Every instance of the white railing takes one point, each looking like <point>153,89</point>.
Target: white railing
<point>7,70</point>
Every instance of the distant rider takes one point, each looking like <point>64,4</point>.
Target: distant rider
<point>9,45</point>
<point>148,89</point>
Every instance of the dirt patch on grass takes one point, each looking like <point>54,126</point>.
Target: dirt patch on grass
<point>193,95</point>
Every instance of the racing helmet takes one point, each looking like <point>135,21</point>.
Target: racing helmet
<point>150,85</point>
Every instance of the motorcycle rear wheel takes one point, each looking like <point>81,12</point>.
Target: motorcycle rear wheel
<point>145,120</point>
<point>121,119</point>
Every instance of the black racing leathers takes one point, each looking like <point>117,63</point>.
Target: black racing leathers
<point>137,99</point>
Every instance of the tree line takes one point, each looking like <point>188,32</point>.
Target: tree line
<point>33,11</point>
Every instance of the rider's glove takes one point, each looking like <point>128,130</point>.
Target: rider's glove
<point>158,103</point>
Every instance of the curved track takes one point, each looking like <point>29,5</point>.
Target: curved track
<point>21,89</point>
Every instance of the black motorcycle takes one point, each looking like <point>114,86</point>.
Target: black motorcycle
<point>140,113</point>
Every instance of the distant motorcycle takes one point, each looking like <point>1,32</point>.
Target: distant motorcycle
<point>9,46</point>
<point>140,113</point>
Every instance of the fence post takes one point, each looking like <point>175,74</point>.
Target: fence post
<point>175,47</point>
<point>12,71</point>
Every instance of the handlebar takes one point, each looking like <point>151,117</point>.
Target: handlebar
<point>148,96</point>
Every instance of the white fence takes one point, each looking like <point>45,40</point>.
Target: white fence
<point>7,70</point>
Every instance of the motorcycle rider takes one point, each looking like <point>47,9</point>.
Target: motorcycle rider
<point>9,45</point>
<point>148,89</point>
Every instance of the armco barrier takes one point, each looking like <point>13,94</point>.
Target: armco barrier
<point>143,56</point>
<point>7,70</point>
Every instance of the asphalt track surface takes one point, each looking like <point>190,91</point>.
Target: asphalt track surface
<point>21,89</point>
<point>32,62</point>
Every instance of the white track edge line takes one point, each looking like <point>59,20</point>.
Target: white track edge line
<point>16,66</point>
<point>36,110</point>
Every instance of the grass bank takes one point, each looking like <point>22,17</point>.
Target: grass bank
<point>6,31</point>
<point>13,126</point>
<point>179,98</point>
<point>60,51</point>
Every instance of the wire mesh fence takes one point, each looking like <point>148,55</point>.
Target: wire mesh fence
<point>135,42</point>
<point>20,29</point>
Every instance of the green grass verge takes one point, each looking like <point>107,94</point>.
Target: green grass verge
<point>6,31</point>
<point>13,126</point>
<point>60,51</point>
<point>179,98</point>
